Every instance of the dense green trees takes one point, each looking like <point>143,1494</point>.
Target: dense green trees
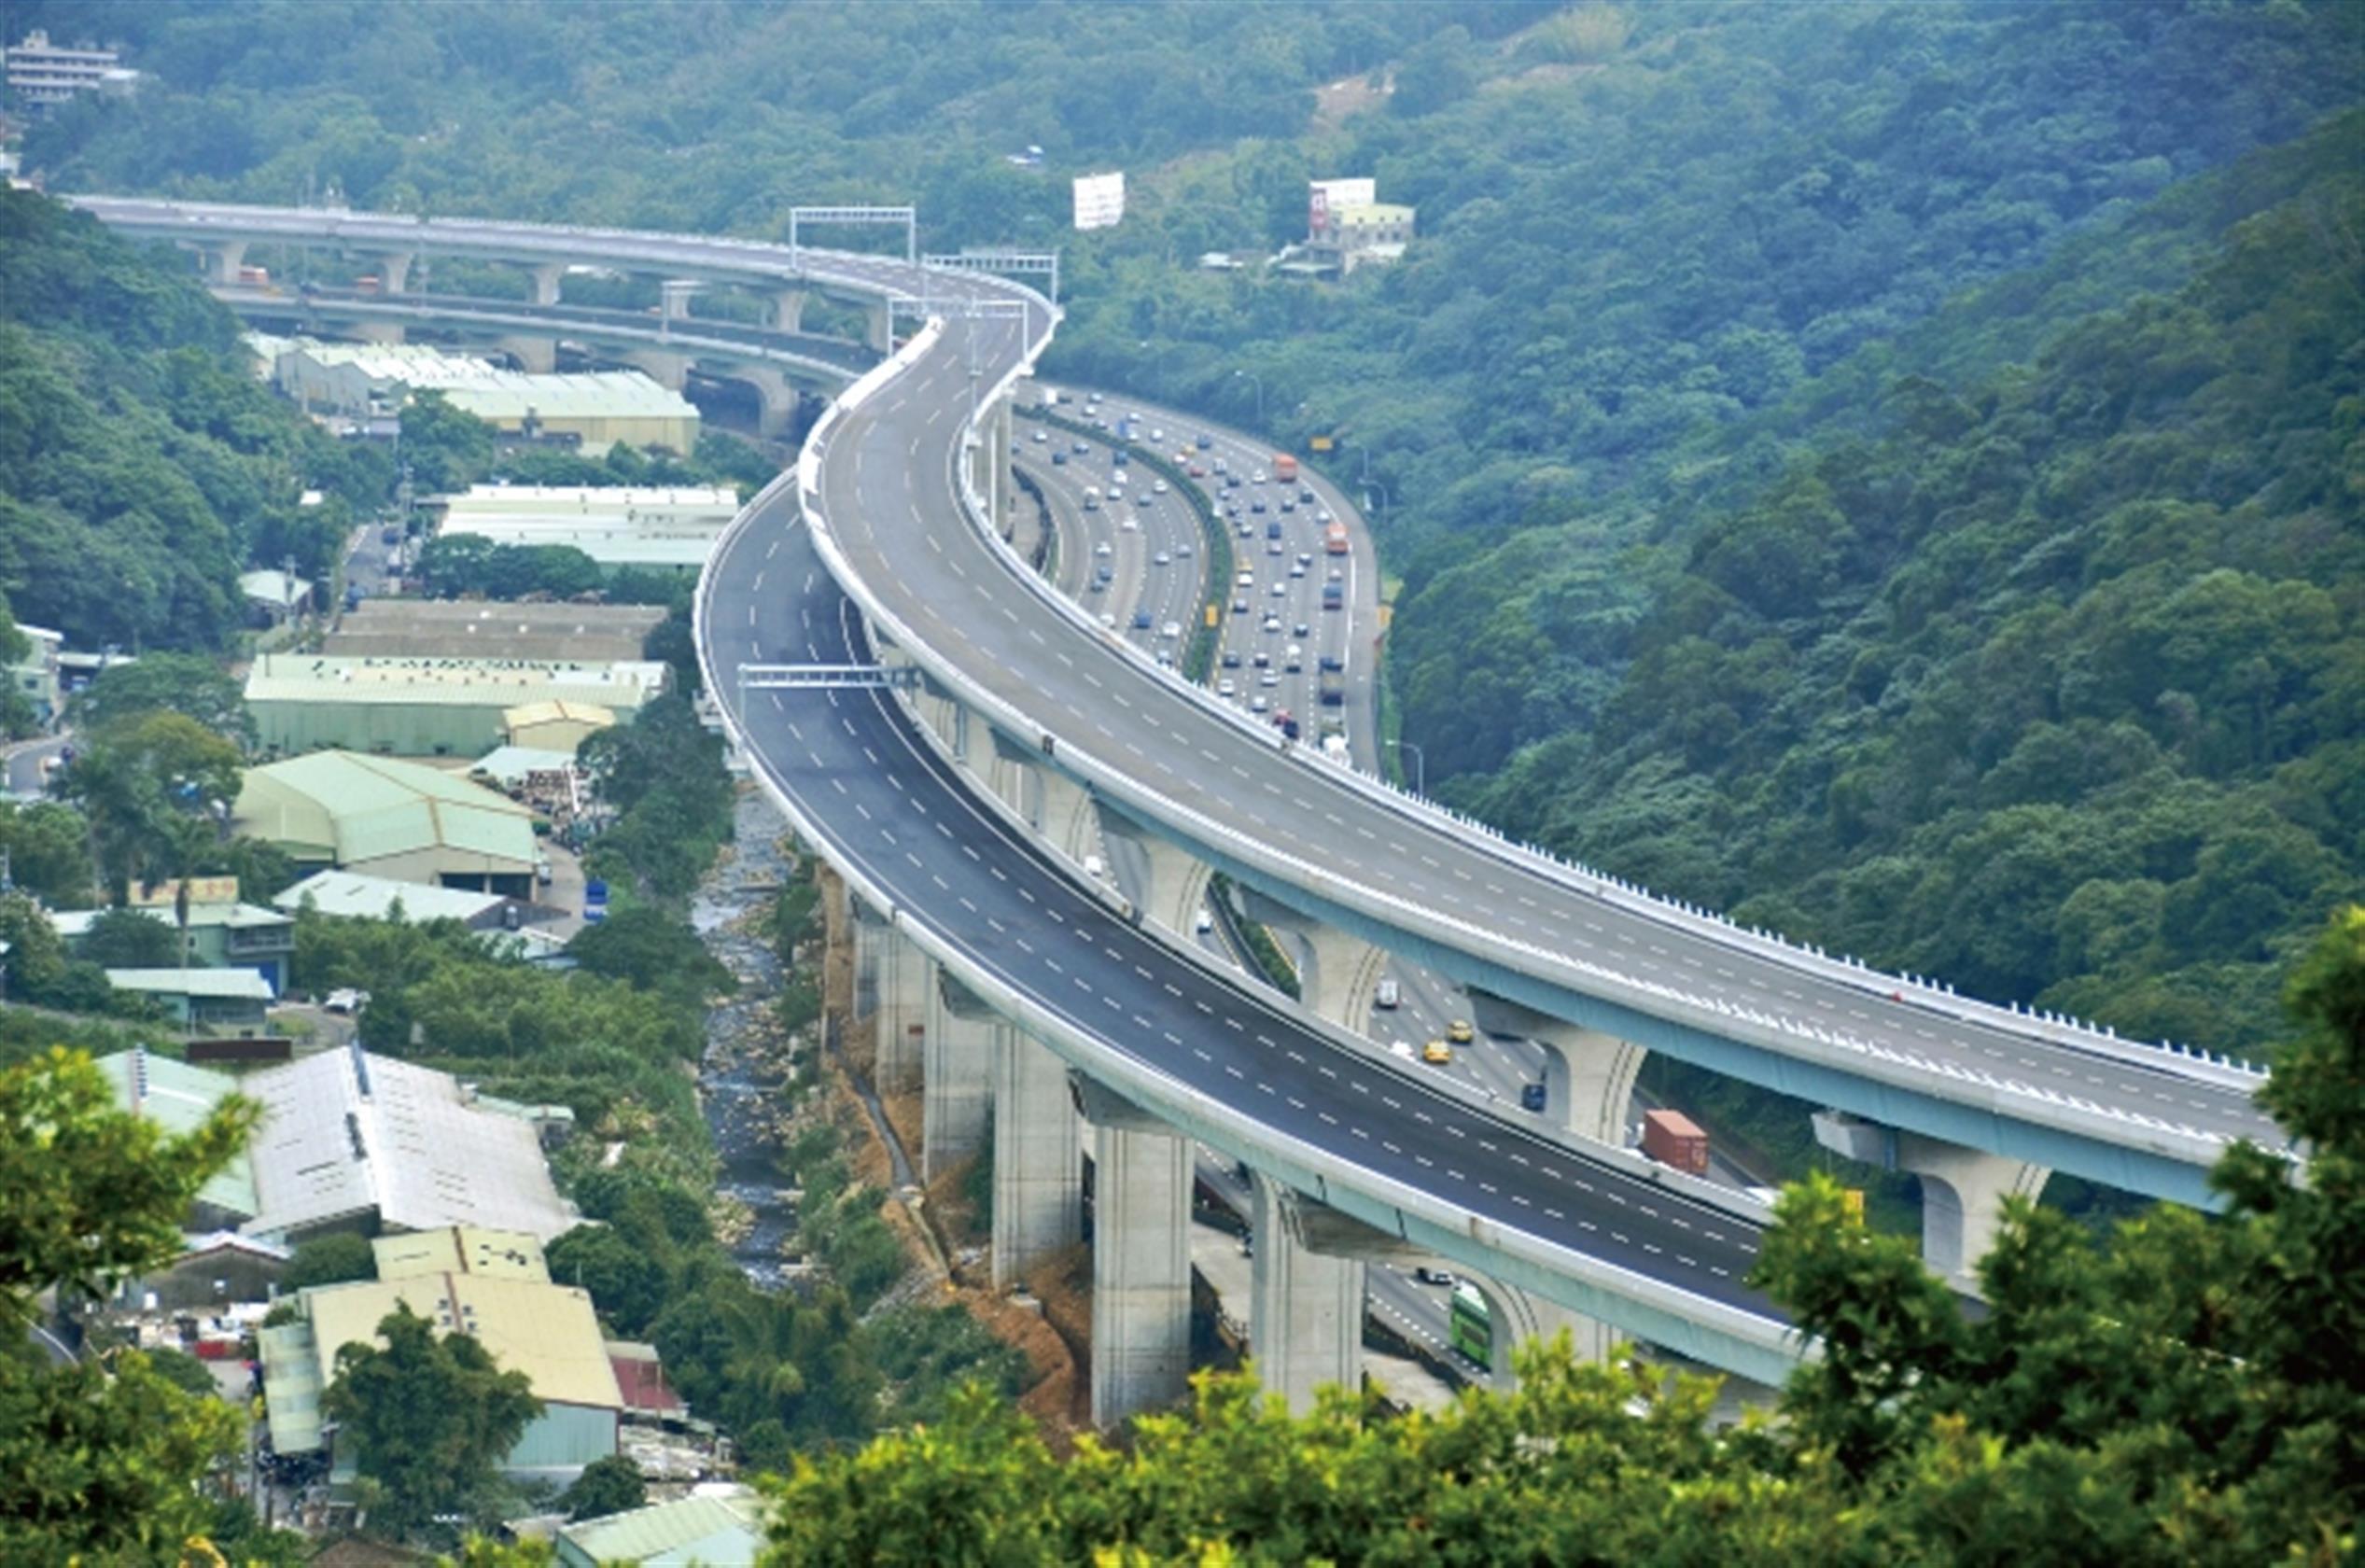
<point>2185,1391</point>
<point>101,1458</point>
<point>428,1420</point>
<point>664,774</point>
<point>140,467</point>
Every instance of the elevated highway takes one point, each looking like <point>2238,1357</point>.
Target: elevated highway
<point>892,502</point>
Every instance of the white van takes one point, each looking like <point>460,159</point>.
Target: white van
<point>1389,996</point>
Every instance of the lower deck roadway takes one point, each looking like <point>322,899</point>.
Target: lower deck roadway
<point>885,803</point>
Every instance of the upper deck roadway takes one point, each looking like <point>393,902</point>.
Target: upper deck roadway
<point>1561,940</point>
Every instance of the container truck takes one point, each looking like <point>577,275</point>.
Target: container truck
<point>1672,1138</point>
<point>1284,467</point>
<point>1335,538</point>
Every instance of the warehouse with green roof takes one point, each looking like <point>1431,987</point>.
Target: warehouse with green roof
<point>343,811</point>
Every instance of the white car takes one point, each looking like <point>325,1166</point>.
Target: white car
<point>1225,688</point>
<point>1109,619</point>
<point>1172,629</point>
<point>1042,436</point>
<point>1104,548</point>
<point>1159,487</point>
<point>1129,524</point>
<point>1257,703</point>
<point>1272,623</point>
<point>1278,588</point>
<point>1161,559</point>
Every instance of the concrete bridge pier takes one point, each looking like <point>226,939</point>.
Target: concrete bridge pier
<point>1515,1317</point>
<point>1007,772</point>
<point>1306,1294</point>
<point>1338,972</point>
<point>668,370</point>
<point>878,326</point>
<point>673,298</point>
<point>1038,1156</point>
<point>394,270</point>
<point>777,400</point>
<point>1588,1076</point>
<point>1962,1190</point>
<point>1064,814</point>
<point>1141,1258</point>
<point>944,715</point>
<point>546,278</point>
<point>785,313</point>
<point>1175,886</point>
<point>907,981</point>
<point>956,1076</point>
<point>535,355</point>
<point>221,258</point>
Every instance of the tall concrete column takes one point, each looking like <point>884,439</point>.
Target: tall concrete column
<point>673,298</point>
<point>1140,1260</point>
<point>1175,888</point>
<point>787,313</point>
<point>1306,1320</point>
<point>668,370</point>
<point>1338,972</point>
<point>878,326</point>
<point>535,355</point>
<point>1038,1156</point>
<point>1963,1189</point>
<point>547,279</point>
<point>1515,1317</point>
<point>394,271</point>
<point>1064,814</point>
<point>222,259</point>
<point>777,400</point>
<point>1588,1076</point>
<point>1007,772</point>
<point>937,709</point>
<point>956,1081</point>
<point>906,982</point>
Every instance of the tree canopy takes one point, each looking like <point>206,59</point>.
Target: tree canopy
<point>2186,1390</point>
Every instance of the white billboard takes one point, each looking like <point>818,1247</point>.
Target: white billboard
<point>1100,199</point>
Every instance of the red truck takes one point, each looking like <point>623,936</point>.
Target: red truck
<point>1284,467</point>
<point>1672,1138</point>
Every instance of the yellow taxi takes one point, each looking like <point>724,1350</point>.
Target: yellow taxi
<point>1460,1032</point>
<point>1437,1053</point>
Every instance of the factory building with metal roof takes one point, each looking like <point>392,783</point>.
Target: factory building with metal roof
<point>381,817</point>
<point>670,529</point>
<point>471,628</point>
<point>426,706</point>
<point>596,409</point>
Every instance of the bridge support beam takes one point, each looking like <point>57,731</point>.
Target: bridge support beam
<point>377,331</point>
<point>534,355</point>
<point>1338,972</point>
<point>394,271</point>
<point>785,313</point>
<point>943,714</point>
<point>1064,814</point>
<point>1175,887</point>
<point>1008,771</point>
<point>547,279</point>
<point>1962,1190</point>
<point>668,370</point>
<point>906,980</point>
<point>1038,1156</point>
<point>1516,1317</point>
<point>878,326</point>
<point>956,1081</point>
<point>1140,1260</point>
<point>673,298</point>
<point>221,259</point>
<point>1306,1319</point>
<point>777,400</point>
<point>1588,1076</point>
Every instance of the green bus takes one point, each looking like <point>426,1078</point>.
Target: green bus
<point>1469,1324</point>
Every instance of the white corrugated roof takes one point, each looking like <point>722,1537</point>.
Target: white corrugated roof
<point>229,985</point>
<point>347,1132</point>
<point>352,894</point>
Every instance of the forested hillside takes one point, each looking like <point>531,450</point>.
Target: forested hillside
<point>141,468</point>
<point>2057,690</point>
<point>708,117</point>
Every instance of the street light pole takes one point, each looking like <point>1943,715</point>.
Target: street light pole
<point>1420,765</point>
<point>1257,381</point>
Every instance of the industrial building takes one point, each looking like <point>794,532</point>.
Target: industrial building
<point>438,628</point>
<point>427,706</point>
<point>354,1141</point>
<point>202,1000</point>
<point>403,822</point>
<point>178,1098</point>
<point>667,529</point>
<point>492,1286</point>
<point>354,896</point>
<point>593,411</point>
<point>719,1524</point>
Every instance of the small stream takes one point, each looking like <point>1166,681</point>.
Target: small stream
<point>736,1077</point>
